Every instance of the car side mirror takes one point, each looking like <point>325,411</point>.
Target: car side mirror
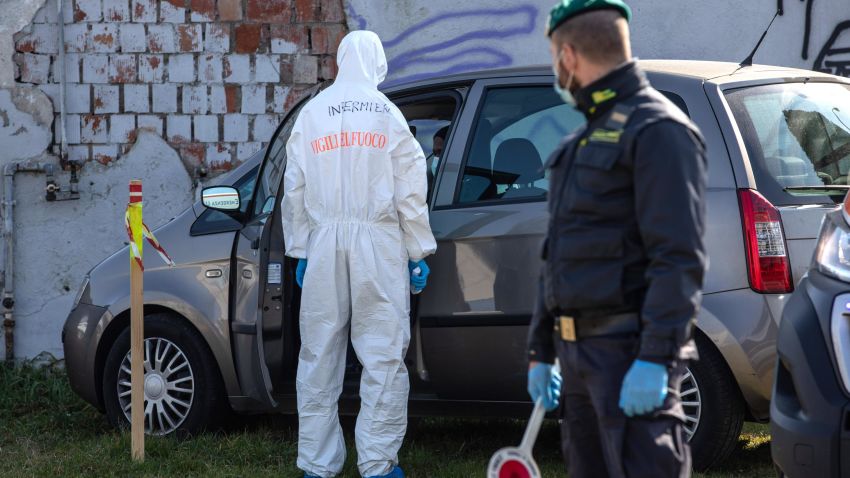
<point>221,198</point>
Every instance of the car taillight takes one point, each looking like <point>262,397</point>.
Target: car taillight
<point>767,256</point>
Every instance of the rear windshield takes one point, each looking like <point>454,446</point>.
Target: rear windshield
<point>797,136</point>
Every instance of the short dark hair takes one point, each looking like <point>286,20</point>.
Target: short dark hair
<point>442,132</point>
<point>602,36</point>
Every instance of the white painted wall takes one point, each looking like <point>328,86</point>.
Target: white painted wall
<point>58,242</point>
<point>436,36</point>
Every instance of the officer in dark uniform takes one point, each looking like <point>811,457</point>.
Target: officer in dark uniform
<point>624,255</point>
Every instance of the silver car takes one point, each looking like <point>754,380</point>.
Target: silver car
<point>222,326</point>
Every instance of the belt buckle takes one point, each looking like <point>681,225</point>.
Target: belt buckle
<point>568,328</point>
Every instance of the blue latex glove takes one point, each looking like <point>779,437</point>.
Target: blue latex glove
<point>644,388</point>
<point>544,382</point>
<point>299,272</point>
<point>418,282</point>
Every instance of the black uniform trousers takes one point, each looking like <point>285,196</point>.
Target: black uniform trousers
<point>598,439</point>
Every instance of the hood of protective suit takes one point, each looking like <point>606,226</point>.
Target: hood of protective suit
<point>361,58</point>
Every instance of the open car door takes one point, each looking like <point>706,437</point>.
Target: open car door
<point>258,277</point>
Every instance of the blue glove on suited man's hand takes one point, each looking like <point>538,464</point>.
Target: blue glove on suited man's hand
<point>418,282</point>
<point>299,272</point>
<point>545,382</point>
<point>644,388</point>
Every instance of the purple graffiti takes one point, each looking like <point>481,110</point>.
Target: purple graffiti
<point>497,59</point>
<point>350,13</point>
<point>498,13</point>
<point>516,20</point>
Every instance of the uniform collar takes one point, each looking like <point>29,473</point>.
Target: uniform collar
<point>599,97</point>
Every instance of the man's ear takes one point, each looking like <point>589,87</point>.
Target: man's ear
<point>569,57</point>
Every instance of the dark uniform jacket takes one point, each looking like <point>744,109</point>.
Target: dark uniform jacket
<point>626,219</point>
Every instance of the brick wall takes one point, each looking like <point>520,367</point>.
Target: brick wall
<point>212,77</point>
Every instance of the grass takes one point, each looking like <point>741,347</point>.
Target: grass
<point>46,430</point>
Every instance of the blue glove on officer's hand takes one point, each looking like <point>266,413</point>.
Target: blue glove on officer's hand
<point>299,272</point>
<point>418,282</point>
<point>544,382</point>
<point>644,388</point>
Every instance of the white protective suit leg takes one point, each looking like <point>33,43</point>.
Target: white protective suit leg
<point>380,333</point>
<point>321,363</point>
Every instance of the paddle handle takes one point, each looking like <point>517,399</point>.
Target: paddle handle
<point>533,427</point>
<point>536,420</point>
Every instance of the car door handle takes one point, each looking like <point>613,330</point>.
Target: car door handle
<point>247,274</point>
<point>213,273</point>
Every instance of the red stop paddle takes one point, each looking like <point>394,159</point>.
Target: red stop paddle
<point>518,462</point>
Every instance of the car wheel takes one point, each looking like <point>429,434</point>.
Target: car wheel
<point>183,389</point>
<point>714,409</point>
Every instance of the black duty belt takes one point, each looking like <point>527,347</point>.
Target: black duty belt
<point>573,329</point>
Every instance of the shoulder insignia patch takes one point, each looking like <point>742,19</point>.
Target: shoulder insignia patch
<point>605,136</point>
<point>602,96</point>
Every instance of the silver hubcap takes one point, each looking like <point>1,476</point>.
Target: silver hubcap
<point>169,386</point>
<point>691,402</point>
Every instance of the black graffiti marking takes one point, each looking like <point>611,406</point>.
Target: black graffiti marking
<point>807,34</point>
<point>834,55</point>
<point>826,60</point>
<point>358,106</point>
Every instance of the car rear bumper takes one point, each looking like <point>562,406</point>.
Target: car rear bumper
<point>810,413</point>
<point>742,325</point>
<point>79,340</point>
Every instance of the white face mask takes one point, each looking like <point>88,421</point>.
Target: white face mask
<point>564,92</point>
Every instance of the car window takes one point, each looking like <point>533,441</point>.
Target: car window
<point>430,119</point>
<point>271,172</point>
<point>269,182</point>
<point>516,130</point>
<point>797,136</point>
<point>677,100</point>
<point>431,135</point>
<point>212,221</point>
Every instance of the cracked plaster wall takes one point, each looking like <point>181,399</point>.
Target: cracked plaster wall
<point>14,15</point>
<point>57,243</point>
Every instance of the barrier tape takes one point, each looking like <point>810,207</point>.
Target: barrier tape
<point>135,250</point>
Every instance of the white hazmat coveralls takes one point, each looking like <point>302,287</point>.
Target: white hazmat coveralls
<point>354,204</point>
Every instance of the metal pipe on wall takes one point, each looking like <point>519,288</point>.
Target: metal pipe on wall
<point>8,208</point>
<point>63,154</point>
<point>53,192</point>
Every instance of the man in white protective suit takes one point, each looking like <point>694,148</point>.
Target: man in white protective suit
<point>354,205</point>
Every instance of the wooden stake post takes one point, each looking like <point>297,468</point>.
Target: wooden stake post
<point>137,371</point>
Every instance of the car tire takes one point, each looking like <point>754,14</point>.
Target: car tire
<point>722,411</point>
<point>185,362</point>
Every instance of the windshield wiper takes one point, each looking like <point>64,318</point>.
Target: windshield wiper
<point>834,187</point>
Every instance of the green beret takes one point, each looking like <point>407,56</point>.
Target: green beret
<point>566,9</point>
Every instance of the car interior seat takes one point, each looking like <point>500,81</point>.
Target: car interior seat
<point>791,171</point>
<point>518,165</point>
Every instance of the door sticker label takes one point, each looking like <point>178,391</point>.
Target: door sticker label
<point>274,273</point>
